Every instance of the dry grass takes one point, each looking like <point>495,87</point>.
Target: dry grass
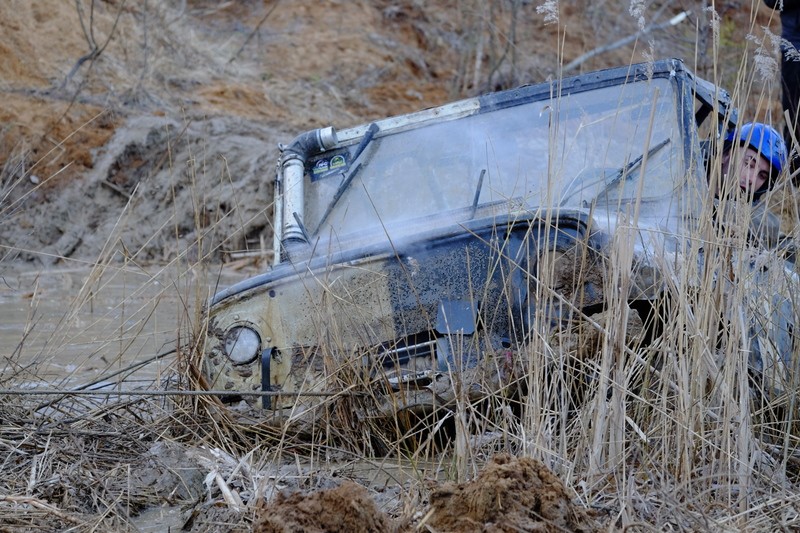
<point>673,433</point>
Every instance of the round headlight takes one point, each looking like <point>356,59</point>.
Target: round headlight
<point>241,344</point>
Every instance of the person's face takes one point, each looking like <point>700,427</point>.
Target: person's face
<point>751,169</point>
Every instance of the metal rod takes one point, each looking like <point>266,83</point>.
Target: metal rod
<point>97,392</point>
<point>134,366</point>
<point>106,377</point>
<point>266,355</point>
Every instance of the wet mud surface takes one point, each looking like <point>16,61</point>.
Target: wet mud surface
<point>509,494</point>
<point>113,471</point>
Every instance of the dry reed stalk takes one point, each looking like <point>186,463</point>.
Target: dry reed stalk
<point>666,433</point>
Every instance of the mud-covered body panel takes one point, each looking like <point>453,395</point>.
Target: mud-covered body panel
<point>369,307</point>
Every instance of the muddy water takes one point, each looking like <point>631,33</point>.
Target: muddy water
<point>67,328</point>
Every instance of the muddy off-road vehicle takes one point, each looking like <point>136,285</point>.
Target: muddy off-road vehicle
<point>416,256</point>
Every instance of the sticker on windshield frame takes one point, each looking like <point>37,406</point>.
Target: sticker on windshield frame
<point>328,166</point>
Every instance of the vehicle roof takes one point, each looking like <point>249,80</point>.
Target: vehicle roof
<point>708,93</point>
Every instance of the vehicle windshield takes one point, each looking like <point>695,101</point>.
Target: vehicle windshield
<point>589,149</point>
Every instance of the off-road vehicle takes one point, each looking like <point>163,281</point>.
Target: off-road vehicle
<point>415,257</point>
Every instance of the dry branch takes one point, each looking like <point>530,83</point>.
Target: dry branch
<point>43,506</point>
<point>578,61</point>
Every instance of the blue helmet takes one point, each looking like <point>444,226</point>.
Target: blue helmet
<point>765,140</point>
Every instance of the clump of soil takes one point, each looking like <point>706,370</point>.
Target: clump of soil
<point>347,508</point>
<point>511,494</point>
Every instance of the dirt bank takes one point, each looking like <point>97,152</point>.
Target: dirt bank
<point>148,131</point>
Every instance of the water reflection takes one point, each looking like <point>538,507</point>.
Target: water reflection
<point>67,328</point>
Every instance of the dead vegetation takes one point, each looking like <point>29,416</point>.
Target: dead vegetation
<point>626,434</point>
<point>623,432</point>
<point>84,465</point>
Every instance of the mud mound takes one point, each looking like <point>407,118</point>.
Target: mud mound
<point>347,508</point>
<point>167,188</point>
<point>510,494</point>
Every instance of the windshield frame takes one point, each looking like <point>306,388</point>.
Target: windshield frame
<point>682,81</point>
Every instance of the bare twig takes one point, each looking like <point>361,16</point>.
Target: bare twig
<point>117,189</point>
<point>144,46</point>
<point>677,19</point>
<point>39,504</point>
<point>255,30</point>
<point>94,50</point>
<point>511,46</point>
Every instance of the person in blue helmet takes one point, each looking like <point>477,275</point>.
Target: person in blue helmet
<point>754,155</point>
<point>761,158</point>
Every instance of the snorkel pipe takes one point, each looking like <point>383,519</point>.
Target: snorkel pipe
<point>289,193</point>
